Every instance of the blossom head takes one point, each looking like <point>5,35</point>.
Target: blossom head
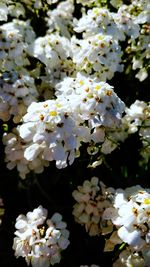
<point>92,199</point>
<point>40,240</point>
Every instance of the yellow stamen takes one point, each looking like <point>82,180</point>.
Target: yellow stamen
<point>53,113</point>
<point>100,37</point>
<point>147,201</point>
<point>97,87</point>
<point>81,82</point>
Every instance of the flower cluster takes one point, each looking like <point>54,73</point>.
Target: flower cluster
<point>68,67</point>
<point>136,119</point>
<point>99,54</point>
<point>62,64</point>
<point>61,18</point>
<point>15,37</point>
<point>14,155</point>
<point>130,215</point>
<point>54,52</point>
<point>92,199</point>
<point>40,240</point>
<point>123,213</point>
<point>17,92</point>
<point>55,129</point>
<point>12,9</point>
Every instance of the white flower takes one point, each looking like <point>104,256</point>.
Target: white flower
<point>52,126</point>
<point>55,129</point>
<point>136,116</point>
<point>136,109</point>
<point>108,146</point>
<point>15,40</point>
<point>92,199</point>
<point>142,74</point>
<point>54,51</point>
<point>40,240</point>
<point>99,53</point>
<point>98,21</point>
<point>131,216</point>
<point>3,12</point>
<point>61,18</point>
<point>16,10</point>
<point>17,91</point>
<point>125,22</point>
<point>132,238</point>
<point>94,101</point>
<point>14,155</point>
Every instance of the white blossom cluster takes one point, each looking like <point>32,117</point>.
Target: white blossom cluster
<point>15,37</point>
<point>40,240</point>
<point>10,8</point>
<point>98,54</point>
<point>97,3</point>
<point>56,58</point>
<point>130,23</point>
<point>61,18</point>
<point>137,119</point>
<point>99,51</point>
<point>140,47</point>
<point>130,215</point>
<point>55,129</point>
<point>92,199</point>
<point>54,52</point>
<point>73,67</point>
<point>15,9</point>
<point>123,213</point>
<point>94,101</point>
<point>17,92</point>
<point>14,155</point>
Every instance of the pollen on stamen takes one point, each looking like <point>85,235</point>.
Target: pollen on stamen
<point>97,87</point>
<point>53,113</point>
<point>81,82</point>
<point>147,201</point>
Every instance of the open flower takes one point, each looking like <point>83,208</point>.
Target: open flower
<point>40,240</point>
<point>130,214</point>
<point>92,199</point>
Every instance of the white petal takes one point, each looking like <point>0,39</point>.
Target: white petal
<point>32,152</point>
<point>132,238</point>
